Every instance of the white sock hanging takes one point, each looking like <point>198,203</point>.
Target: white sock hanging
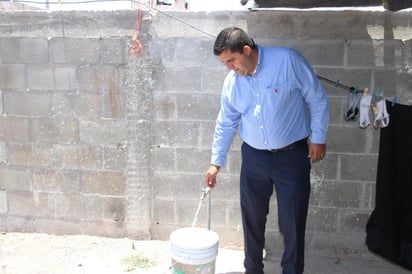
<point>365,104</point>
<point>382,116</point>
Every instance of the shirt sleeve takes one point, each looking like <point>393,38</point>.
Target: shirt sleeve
<point>226,127</point>
<point>316,99</point>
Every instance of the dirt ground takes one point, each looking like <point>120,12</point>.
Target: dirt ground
<point>33,253</point>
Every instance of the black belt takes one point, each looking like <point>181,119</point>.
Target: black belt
<point>291,146</point>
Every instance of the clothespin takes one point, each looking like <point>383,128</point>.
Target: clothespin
<point>394,100</point>
<point>337,83</point>
<point>356,89</point>
<point>377,92</point>
<point>365,91</point>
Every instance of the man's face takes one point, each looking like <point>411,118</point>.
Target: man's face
<point>241,63</point>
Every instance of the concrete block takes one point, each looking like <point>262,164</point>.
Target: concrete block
<point>163,186</point>
<point>370,195</point>
<point>197,107</point>
<point>207,129</point>
<point>337,108</point>
<point>321,52</point>
<point>3,204</point>
<point>114,158</point>
<point>14,129</point>
<point>45,205</point>
<point>40,155</point>
<point>192,160</point>
<point>327,169</point>
<point>83,105</point>
<point>24,224</point>
<point>27,104</point>
<point>21,203</point>
<point>179,133</point>
<point>99,78</point>
<point>272,218</point>
<point>212,80</point>
<point>227,186</point>
<point>80,156</point>
<point>114,51</point>
<point>164,212</point>
<point>353,221</point>
<point>64,104</point>
<point>178,79</point>
<point>339,244</point>
<point>40,77</point>
<point>165,106</point>
<point>65,78</point>
<point>55,131</point>
<point>114,209</point>
<point>200,51</point>
<point>105,132</point>
<point>338,194</point>
<point>103,183</point>
<point>24,50</point>
<point>13,76</point>
<point>348,138</point>
<point>178,186</point>
<point>88,106</point>
<point>13,178</point>
<point>114,104</point>
<point>164,159</point>
<point>364,54</point>
<point>67,50</point>
<point>359,167</point>
<point>3,153</point>
<point>163,50</point>
<point>185,212</point>
<point>394,83</point>
<point>234,216</point>
<point>69,206</point>
<point>48,180</point>
<point>322,220</point>
<point>273,244</point>
<point>93,207</point>
<point>234,161</point>
<point>3,226</point>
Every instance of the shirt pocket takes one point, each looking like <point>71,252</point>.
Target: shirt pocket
<point>278,95</point>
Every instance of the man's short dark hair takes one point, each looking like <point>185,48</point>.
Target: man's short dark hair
<point>234,39</point>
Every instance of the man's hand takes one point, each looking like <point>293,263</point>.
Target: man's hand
<point>317,151</point>
<point>211,176</point>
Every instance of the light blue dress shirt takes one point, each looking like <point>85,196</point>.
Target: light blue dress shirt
<point>282,102</point>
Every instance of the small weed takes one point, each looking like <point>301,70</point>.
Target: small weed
<point>134,262</point>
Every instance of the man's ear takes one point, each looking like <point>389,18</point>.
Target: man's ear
<point>247,50</point>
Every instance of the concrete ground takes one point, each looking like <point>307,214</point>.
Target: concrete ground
<point>33,253</point>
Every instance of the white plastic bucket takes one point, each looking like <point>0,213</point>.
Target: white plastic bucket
<point>194,250</point>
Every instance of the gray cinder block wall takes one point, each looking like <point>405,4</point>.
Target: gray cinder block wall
<point>96,141</point>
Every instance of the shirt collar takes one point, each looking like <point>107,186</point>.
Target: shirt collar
<point>260,58</point>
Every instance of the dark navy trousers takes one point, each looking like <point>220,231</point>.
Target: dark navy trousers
<point>288,172</point>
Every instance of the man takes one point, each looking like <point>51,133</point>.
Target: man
<point>274,99</point>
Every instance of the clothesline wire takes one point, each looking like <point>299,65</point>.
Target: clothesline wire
<point>335,83</point>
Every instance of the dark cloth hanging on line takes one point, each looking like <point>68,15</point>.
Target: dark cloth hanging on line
<point>389,228</point>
